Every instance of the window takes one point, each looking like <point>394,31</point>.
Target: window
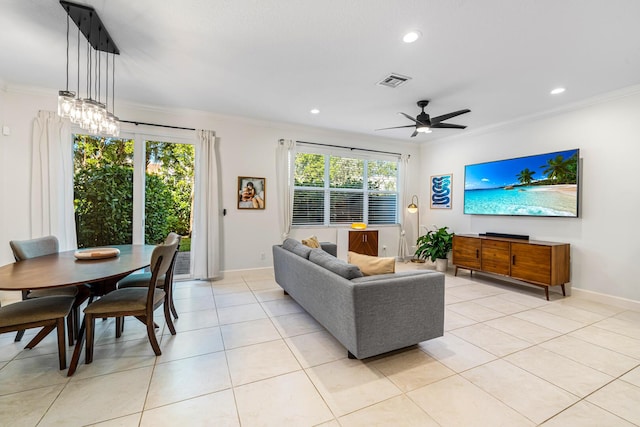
<point>333,190</point>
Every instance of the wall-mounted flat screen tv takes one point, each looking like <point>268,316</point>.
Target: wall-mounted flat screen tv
<point>540,185</point>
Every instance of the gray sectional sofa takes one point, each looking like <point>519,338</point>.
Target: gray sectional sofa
<point>369,315</point>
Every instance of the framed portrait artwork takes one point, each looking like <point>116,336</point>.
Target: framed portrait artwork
<point>251,192</point>
<point>440,191</point>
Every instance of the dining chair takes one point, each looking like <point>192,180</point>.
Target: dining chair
<point>41,246</point>
<point>142,279</point>
<point>45,312</point>
<point>137,301</point>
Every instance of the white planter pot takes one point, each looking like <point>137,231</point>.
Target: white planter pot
<point>442,264</point>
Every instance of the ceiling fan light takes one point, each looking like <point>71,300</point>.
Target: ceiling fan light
<point>411,36</point>
<point>423,129</point>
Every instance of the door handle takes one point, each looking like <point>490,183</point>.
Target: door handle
<point>477,253</point>
<point>513,260</point>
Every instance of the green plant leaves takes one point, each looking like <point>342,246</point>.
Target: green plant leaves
<point>434,244</point>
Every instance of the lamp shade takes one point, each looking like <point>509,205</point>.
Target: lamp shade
<point>413,207</point>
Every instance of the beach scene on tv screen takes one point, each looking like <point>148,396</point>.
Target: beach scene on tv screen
<point>540,185</point>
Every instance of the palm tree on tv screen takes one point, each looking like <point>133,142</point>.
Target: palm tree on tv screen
<point>525,176</point>
<point>559,170</point>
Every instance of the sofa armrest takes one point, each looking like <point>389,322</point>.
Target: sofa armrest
<point>399,311</point>
<point>329,247</point>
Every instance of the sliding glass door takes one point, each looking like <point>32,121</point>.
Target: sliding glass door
<point>169,196</point>
<point>134,190</point>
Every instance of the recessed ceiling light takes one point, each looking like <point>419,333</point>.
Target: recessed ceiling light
<point>315,111</point>
<point>411,36</point>
<point>557,90</point>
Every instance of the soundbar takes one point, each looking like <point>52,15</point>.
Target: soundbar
<point>507,236</point>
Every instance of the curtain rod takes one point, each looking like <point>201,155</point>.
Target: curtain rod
<point>155,124</point>
<point>350,148</point>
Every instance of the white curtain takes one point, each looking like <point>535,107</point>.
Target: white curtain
<point>205,239</point>
<point>52,180</point>
<point>403,249</point>
<point>285,153</point>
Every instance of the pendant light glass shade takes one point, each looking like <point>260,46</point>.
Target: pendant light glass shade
<point>66,103</point>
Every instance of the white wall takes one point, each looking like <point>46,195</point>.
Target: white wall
<point>247,148</point>
<point>604,250</point>
<point>3,176</point>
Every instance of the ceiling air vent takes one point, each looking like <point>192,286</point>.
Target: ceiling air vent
<point>394,80</point>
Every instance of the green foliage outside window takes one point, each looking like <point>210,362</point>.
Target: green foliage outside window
<point>309,170</point>
<point>103,199</point>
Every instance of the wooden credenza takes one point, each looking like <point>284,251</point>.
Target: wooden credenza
<point>540,263</point>
<point>364,242</point>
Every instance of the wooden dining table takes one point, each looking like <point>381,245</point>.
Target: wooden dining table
<point>63,269</point>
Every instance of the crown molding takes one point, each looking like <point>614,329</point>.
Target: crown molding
<point>565,108</point>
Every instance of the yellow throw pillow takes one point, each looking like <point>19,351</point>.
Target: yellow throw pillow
<point>312,242</point>
<point>372,265</point>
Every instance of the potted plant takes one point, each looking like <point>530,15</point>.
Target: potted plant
<point>435,245</point>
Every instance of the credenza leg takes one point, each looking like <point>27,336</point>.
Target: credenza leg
<point>455,272</point>
<point>546,292</point>
<point>563,293</point>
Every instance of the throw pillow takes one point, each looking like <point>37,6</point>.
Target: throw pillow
<point>372,265</point>
<point>311,242</point>
<point>333,264</point>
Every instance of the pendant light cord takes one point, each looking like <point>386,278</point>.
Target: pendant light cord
<point>78,94</point>
<point>67,87</point>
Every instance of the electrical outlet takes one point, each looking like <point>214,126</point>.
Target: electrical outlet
<point>263,256</point>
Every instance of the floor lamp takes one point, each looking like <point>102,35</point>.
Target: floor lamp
<point>413,208</point>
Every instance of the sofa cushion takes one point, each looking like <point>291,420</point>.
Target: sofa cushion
<point>333,264</point>
<point>311,242</point>
<point>296,247</point>
<point>394,276</point>
<point>372,265</point>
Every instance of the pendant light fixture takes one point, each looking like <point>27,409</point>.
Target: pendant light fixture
<point>66,98</point>
<point>90,113</point>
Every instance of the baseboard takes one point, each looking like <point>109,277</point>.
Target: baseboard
<point>625,303</point>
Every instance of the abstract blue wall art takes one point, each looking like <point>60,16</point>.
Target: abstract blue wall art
<point>441,191</point>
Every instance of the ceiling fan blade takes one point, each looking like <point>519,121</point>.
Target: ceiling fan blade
<point>415,132</point>
<point>410,118</point>
<point>447,126</point>
<point>398,127</point>
<point>435,120</point>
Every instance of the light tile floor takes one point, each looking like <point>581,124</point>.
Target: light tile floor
<point>245,354</point>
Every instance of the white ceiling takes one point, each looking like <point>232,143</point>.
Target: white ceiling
<point>277,59</point>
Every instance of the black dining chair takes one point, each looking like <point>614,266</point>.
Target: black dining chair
<point>41,246</point>
<point>45,312</point>
<point>139,302</point>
